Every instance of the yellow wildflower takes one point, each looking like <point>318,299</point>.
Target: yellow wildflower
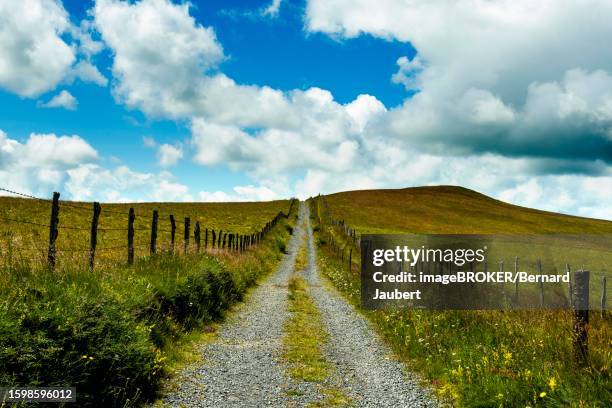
<point>552,383</point>
<point>542,394</point>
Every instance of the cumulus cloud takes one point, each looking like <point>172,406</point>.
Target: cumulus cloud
<point>241,193</point>
<point>64,99</point>
<point>169,155</point>
<point>495,99</point>
<point>35,58</point>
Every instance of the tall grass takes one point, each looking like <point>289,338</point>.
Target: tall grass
<point>106,332</point>
<point>486,358</point>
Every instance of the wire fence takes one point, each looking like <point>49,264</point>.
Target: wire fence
<point>220,239</point>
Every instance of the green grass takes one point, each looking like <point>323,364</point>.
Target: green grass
<point>476,358</point>
<point>113,333</point>
<point>29,241</point>
<point>305,338</point>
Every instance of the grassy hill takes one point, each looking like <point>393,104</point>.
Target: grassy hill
<point>449,209</point>
<point>480,358</point>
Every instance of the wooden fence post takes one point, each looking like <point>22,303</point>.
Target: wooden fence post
<point>53,232</point>
<point>350,259</point>
<point>172,232</point>
<point>224,239</point>
<point>581,315</point>
<point>196,236</point>
<point>604,299</point>
<point>230,242</point>
<point>541,284</point>
<point>187,233</point>
<point>516,284</point>
<point>219,237</point>
<point>93,239</point>
<point>154,232</point>
<point>570,288</point>
<point>131,218</point>
<point>214,239</point>
<point>205,239</point>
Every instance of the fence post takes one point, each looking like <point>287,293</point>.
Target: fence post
<point>603,297</point>
<point>581,315</point>
<point>172,232</point>
<point>131,218</point>
<point>230,242</point>
<point>350,259</point>
<point>516,284</point>
<point>214,239</point>
<point>205,239</point>
<point>570,287</point>
<point>154,232</point>
<point>224,239</point>
<point>541,284</point>
<point>53,232</point>
<point>93,239</point>
<point>219,237</point>
<point>196,236</point>
<point>187,233</point>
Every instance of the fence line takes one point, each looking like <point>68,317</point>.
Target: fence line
<point>236,242</point>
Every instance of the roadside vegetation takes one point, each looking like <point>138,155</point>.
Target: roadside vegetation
<point>474,358</point>
<point>113,333</point>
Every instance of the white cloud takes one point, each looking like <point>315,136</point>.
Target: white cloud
<point>408,73</point>
<point>41,161</point>
<point>492,74</point>
<point>35,58</point>
<point>87,72</point>
<point>241,193</point>
<point>273,8</point>
<point>160,53</point>
<point>169,155</point>
<point>64,99</point>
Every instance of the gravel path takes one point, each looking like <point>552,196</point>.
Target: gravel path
<point>241,368</point>
<point>365,367</point>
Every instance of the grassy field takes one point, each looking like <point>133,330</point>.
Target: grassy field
<point>113,333</point>
<point>29,241</point>
<point>475,358</point>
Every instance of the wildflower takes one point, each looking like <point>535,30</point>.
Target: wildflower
<point>508,356</point>
<point>552,383</point>
<point>542,394</point>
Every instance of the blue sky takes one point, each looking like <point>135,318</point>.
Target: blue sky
<point>240,103</point>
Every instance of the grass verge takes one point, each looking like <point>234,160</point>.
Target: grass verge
<point>113,333</point>
<point>490,358</point>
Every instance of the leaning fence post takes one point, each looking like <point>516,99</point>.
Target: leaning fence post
<point>196,236</point>
<point>172,232</point>
<point>93,240</point>
<point>214,239</point>
<point>186,234</point>
<point>131,218</point>
<point>53,232</point>
<point>154,232</point>
<point>581,315</point>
